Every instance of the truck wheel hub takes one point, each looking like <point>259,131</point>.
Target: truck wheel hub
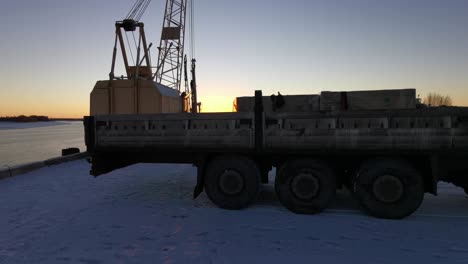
<point>231,182</point>
<point>305,186</point>
<point>388,188</point>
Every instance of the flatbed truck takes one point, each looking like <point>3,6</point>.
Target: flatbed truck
<point>388,158</point>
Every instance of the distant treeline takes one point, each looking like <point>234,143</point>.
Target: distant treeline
<point>23,118</point>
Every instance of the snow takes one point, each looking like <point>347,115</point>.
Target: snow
<point>24,125</point>
<point>145,214</point>
<point>167,91</point>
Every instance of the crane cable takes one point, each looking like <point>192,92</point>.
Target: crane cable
<point>135,13</point>
<point>129,47</point>
<point>142,10</point>
<point>138,9</point>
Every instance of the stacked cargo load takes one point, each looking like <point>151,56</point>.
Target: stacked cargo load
<point>332,101</point>
<point>368,100</point>
<point>280,103</point>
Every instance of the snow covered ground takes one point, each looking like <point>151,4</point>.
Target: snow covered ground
<point>145,214</point>
<point>24,125</point>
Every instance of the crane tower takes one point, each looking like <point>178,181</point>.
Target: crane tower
<point>171,48</point>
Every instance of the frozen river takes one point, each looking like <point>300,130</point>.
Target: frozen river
<point>145,214</point>
<point>27,142</point>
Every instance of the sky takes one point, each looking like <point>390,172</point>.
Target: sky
<point>53,51</point>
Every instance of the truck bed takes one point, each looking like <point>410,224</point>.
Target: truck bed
<point>431,129</point>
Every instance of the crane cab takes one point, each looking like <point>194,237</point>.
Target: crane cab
<point>134,97</point>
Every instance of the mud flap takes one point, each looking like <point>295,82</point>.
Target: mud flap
<point>200,180</point>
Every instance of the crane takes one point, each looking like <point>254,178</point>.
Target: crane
<point>141,91</point>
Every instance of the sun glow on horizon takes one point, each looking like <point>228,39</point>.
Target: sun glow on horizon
<point>216,104</point>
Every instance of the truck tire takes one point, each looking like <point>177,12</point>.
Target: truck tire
<point>232,182</point>
<point>389,189</point>
<point>305,186</point>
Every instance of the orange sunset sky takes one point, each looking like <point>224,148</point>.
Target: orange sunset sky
<point>53,52</point>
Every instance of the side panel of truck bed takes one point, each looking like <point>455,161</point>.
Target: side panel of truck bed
<point>175,131</point>
<point>413,130</point>
<point>444,129</point>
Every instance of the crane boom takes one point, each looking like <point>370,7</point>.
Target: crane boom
<point>171,49</point>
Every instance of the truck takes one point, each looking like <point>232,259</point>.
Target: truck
<point>384,146</point>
